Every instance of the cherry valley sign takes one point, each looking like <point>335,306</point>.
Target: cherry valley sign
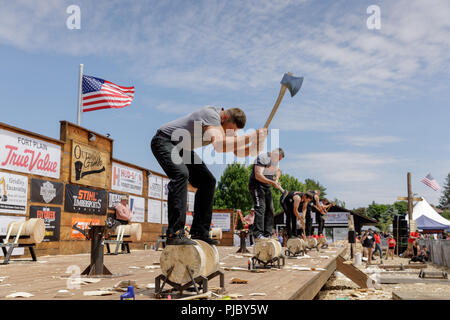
<point>28,155</point>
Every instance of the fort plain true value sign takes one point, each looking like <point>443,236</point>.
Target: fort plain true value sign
<point>22,153</point>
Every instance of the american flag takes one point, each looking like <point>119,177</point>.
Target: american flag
<point>431,182</point>
<point>101,94</point>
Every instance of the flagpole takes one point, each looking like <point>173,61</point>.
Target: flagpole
<point>80,92</point>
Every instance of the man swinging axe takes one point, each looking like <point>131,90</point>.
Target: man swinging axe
<point>173,146</point>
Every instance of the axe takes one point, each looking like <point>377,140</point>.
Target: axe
<point>288,82</point>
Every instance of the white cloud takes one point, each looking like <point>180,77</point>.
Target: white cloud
<point>365,141</point>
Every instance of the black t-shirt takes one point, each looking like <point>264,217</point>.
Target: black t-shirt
<point>263,160</point>
<point>289,200</point>
<point>368,242</point>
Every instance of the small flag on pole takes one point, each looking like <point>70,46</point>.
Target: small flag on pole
<point>102,94</point>
<point>431,182</point>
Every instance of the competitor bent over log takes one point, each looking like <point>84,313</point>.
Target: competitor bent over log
<point>173,146</point>
<point>290,204</point>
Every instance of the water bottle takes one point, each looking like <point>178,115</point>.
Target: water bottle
<point>129,295</point>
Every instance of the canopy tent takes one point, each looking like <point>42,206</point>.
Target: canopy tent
<point>425,223</point>
<point>423,208</point>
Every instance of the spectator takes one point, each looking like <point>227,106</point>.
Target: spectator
<point>391,247</point>
<point>378,246</point>
<point>367,243</point>
<point>123,214</point>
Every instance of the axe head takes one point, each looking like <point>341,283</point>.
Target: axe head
<point>292,83</point>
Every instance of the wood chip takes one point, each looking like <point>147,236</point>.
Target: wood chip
<point>151,267</point>
<point>20,295</point>
<point>235,295</point>
<point>150,286</point>
<point>97,293</point>
<point>258,294</point>
<point>240,281</point>
<point>234,269</point>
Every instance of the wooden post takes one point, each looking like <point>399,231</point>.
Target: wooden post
<point>410,200</point>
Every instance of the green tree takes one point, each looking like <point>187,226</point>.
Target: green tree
<point>232,189</point>
<point>381,213</point>
<point>445,198</point>
<point>311,184</point>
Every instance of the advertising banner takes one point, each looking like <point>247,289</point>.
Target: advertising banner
<point>137,209</point>
<point>13,193</point>
<point>114,199</point>
<point>22,153</point>
<point>155,186</point>
<point>190,201</point>
<point>126,179</point>
<point>89,166</point>
<point>154,211</point>
<point>165,217</point>
<point>44,191</point>
<point>221,220</point>
<point>165,190</point>
<point>85,200</point>
<point>52,220</point>
<point>83,224</point>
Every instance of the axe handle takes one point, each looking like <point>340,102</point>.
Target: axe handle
<point>275,107</point>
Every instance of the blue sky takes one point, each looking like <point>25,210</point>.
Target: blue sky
<point>373,106</point>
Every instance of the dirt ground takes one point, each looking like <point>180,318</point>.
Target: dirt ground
<point>340,287</point>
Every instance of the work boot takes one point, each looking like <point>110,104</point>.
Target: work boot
<point>207,239</point>
<point>261,237</point>
<point>179,239</point>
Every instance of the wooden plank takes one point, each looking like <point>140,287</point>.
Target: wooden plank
<point>351,272</point>
<point>392,280</point>
<point>416,295</point>
<point>406,266</point>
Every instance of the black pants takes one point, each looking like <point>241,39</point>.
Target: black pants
<point>320,223</point>
<point>198,175</point>
<point>263,204</point>
<point>291,220</point>
<point>308,223</point>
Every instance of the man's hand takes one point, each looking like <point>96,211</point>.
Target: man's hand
<point>276,184</point>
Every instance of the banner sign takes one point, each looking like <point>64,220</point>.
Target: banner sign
<point>221,220</point>
<point>85,200</point>
<point>44,191</point>
<point>190,201</point>
<point>126,179</point>
<point>114,199</point>
<point>29,155</point>
<point>83,224</point>
<point>137,209</point>
<point>334,218</point>
<point>154,211</point>
<point>4,222</point>
<point>13,193</point>
<point>155,186</point>
<point>165,217</point>
<point>165,189</point>
<point>52,219</point>
<point>89,166</point>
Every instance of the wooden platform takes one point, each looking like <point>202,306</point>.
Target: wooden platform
<point>399,295</point>
<point>45,277</point>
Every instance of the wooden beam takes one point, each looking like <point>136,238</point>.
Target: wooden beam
<point>392,280</point>
<point>407,266</point>
<point>406,199</point>
<point>351,272</point>
<point>399,295</point>
<point>410,204</point>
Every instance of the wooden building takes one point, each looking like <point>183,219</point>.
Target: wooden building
<point>77,179</point>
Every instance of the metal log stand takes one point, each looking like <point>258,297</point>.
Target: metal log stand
<point>97,236</point>
<point>243,247</point>
<point>197,284</point>
<point>289,253</point>
<point>275,262</point>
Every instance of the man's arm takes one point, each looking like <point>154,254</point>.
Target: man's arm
<point>261,178</point>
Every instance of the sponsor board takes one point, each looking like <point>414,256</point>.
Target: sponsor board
<point>52,220</point>
<point>165,188</point>
<point>22,153</point>
<point>83,224</point>
<point>190,201</point>
<point>89,166</point>
<point>13,193</point>
<point>85,200</point>
<point>155,186</point>
<point>126,179</point>
<point>44,191</point>
<point>154,211</point>
<point>137,209</point>
<point>221,220</point>
<point>165,217</point>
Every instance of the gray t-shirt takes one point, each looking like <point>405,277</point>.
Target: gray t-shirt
<point>194,123</point>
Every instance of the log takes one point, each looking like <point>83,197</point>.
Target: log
<point>201,259</point>
<point>295,245</point>
<point>34,228</point>
<point>266,250</point>
<point>134,231</point>
<point>311,242</point>
<point>322,242</point>
<point>216,233</point>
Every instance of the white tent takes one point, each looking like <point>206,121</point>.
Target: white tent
<point>423,208</point>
